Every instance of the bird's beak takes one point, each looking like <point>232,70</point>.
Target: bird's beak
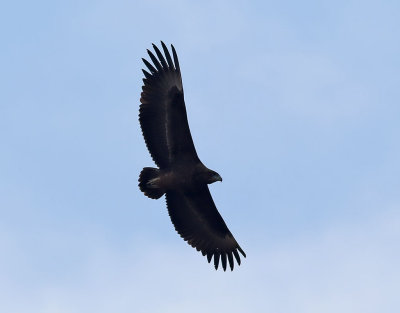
<point>218,178</point>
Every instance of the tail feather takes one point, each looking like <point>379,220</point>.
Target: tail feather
<point>148,182</point>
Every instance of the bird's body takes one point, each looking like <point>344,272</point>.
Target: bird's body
<point>181,176</point>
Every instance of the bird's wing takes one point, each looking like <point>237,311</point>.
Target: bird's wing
<point>162,113</point>
<point>198,221</point>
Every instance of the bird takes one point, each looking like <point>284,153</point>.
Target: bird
<point>180,175</point>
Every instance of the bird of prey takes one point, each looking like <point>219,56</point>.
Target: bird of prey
<point>180,175</point>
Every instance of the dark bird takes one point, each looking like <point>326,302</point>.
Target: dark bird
<point>180,175</point>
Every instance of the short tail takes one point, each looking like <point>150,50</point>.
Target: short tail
<point>149,182</point>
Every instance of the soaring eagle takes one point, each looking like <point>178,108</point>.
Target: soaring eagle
<point>181,176</point>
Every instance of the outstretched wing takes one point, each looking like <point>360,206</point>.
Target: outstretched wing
<point>198,221</point>
<point>162,113</point>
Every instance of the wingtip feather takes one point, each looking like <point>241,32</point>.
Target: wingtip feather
<point>237,257</point>
<point>241,251</point>
<point>176,61</point>
<point>216,260</point>
<point>149,66</point>
<point>155,61</point>
<point>230,259</point>
<point>223,261</point>
<point>168,56</point>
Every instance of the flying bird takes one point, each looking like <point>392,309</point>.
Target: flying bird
<point>180,175</point>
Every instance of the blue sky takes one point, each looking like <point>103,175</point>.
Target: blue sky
<point>295,104</point>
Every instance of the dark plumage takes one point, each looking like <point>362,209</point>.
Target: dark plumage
<point>181,175</point>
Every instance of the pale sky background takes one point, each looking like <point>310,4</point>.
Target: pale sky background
<point>295,103</point>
